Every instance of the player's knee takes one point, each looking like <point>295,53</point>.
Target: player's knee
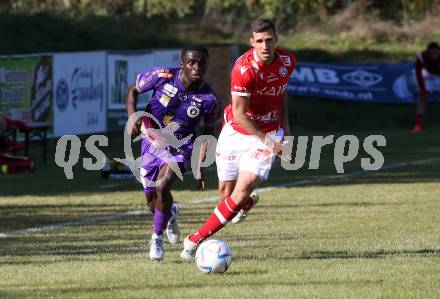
<point>150,206</point>
<point>240,196</point>
<point>162,189</point>
<point>150,201</point>
<point>225,190</point>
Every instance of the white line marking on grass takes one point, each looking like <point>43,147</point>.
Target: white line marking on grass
<point>110,217</point>
<point>130,177</point>
<point>346,175</point>
<point>128,214</point>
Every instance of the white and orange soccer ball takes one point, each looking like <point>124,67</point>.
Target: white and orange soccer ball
<point>213,256</point>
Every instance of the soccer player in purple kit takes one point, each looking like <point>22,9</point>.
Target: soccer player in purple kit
<point>181,98</point>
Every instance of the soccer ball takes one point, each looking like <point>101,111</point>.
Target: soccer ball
<point>213,256</point>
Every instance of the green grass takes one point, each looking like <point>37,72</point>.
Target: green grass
<point>365,235</point>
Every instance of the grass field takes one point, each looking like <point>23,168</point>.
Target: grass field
<point>356,235</point>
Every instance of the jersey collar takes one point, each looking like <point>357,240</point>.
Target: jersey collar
<point>259,64</point>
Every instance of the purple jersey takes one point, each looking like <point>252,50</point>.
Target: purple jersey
<point>171,104</point>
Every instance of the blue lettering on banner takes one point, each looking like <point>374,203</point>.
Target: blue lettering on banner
<point>84,89</point>
<point>375,83</point>
<point>92,119</point>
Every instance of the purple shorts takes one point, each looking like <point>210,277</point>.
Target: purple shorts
<point>154,158</point>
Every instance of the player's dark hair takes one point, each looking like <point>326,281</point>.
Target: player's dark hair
<point>195,48</point>
<point>432,46</point>
<point>262,25</point>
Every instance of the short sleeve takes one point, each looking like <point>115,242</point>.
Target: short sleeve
<point>212,110</point>
<point>147,81</point>
<point>242,83</point>
<point>288,59</point>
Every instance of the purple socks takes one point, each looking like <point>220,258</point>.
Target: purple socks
<point>160,221</point>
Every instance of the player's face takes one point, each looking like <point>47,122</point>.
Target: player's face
<point>264,44</point>
<point>194,65</point>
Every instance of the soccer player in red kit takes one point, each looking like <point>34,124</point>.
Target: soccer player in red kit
<point>255,122</point>
<point>427,64</point>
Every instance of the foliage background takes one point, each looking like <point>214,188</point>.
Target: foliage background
<point>334,26</point>
<point>316,30</point>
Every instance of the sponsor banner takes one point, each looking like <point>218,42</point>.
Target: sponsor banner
<point>167,58</point>
<point>123,68</point>
<point>79,93</point>
<point>26,88</point>
<point>122,71</point>
<point>376,83</point>
<point>221,61</point>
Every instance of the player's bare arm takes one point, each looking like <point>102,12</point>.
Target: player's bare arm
<point>285,117</point>
<point>239,108</point>
<point>131,98</point>
<point>207,130</point>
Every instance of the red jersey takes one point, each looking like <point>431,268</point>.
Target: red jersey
<point>431,66</point>
<point>265,85</point>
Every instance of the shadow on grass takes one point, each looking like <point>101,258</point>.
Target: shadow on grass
<point>192,286</point>
<point>367,254</point>
<point>323,255</point>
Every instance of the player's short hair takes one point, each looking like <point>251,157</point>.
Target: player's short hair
<point>262,25</point>
<point>196,48</point>
<point>432,46</point>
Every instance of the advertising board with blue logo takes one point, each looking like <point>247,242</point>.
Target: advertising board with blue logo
<point>122,70</point>
<point>393,83</point>
<point>80,105</point>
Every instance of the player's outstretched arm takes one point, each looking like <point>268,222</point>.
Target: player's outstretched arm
<point>285,117</point>
<point>239,108</point>
<point>208,129</point>
<point>131,98</point>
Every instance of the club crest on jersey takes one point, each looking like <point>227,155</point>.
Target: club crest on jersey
<point>193,111</point>
<point>169,90</point>
<point>286,60</point>
<point>282,71</point>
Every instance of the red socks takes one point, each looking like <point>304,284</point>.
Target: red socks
<point>419,119</point>
<point>223,213</point>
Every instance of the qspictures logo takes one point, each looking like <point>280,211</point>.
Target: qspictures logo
<point>165,146</point>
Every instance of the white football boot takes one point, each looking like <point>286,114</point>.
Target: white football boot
<point>243,214</point>
<point>156,248</point>
<point>173,231</point>
<point>189,249</point>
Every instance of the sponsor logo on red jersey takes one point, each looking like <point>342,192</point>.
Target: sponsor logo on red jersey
<point>264,85</point>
